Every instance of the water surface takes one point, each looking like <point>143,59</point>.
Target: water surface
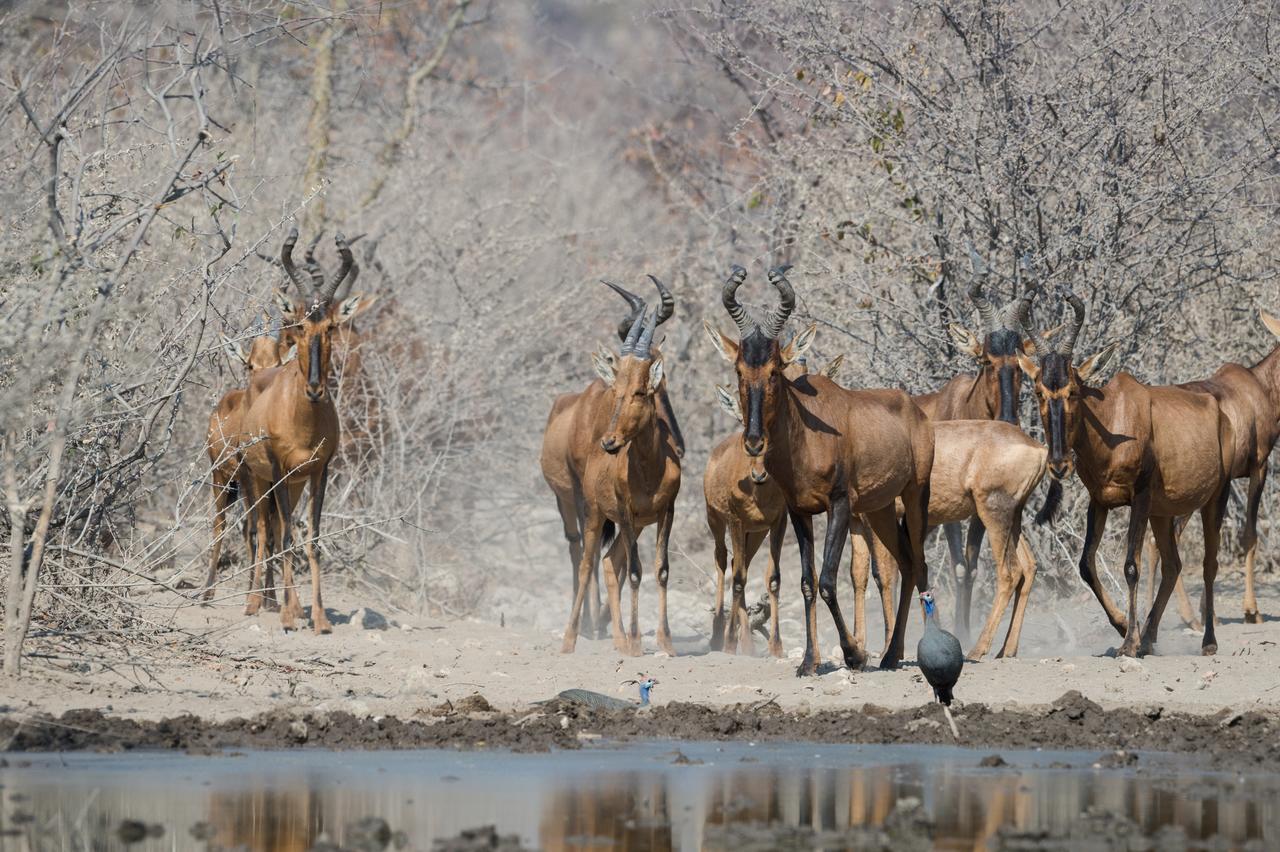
<point>646,796</point>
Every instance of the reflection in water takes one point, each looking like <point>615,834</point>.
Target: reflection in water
<point>630,799</point>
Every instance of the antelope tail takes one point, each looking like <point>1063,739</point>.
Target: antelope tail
<point>1052,502</point>
<point>606,539</point>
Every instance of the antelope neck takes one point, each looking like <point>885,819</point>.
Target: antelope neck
<point>1267,372</point>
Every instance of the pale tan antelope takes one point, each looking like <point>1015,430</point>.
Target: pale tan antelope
<point>290,431</point>
<point>629,480</point>
<point>1163,451</point>
<point>985,470</point>
<point>832,451</point>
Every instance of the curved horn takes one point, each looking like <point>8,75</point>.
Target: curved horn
<point>644,345</point>
<point>986,310</point>
<point>286,260</point>
<point>786,302</point>
<point>1018,311</point>
<point>636,303</point>
<point>668,306</point>
<point>348,261</point>
<point>729,296</point>
<point>1067,343</point>
<point>313,266</point>
<point>629,342</point>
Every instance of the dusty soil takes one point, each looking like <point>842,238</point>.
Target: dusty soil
<point>387,679</point>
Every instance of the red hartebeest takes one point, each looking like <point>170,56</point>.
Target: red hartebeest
<point>290,432</point>
<point>744,503</point>
<point>630,475</point>
<point>990,395</point>
<point>984,470</point>
<point>1250,396</point>
<point>1163,451</point>
<point>222,442</point>
<point>832,451</point>
<point>566,447</point>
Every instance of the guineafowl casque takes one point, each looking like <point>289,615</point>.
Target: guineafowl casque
<point>938,654</point>
<point>599,700</point>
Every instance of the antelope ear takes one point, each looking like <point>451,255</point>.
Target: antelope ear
<point>604,368</point>
<point>234,350</point>
<point>288,310</point>
<point>1028,365</point>
<point>729,402</point>
<point>965,340</point>
<point>1097,362</point>
<point>290,355</point>
<point>799,344</point>
<point>832,370</point>
<point>1272,323</point>
<point>655,374</point>
<point>727,348</point>
<point>353,306</point>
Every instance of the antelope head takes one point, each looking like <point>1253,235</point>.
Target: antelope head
<point>1059,385</point>
<point>1001,343</point>
<point>636,375</point>
<point>758,358</point>
<point>265,350</point>
<point>311,320</point>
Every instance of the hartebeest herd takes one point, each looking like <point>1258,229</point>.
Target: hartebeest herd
<point>883,466</point>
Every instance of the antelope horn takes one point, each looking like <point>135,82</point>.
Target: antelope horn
<point>786,302</point>
<point>645,344</point>
<point>985,309</point>
<point>668,306</point>
<point>729,296</point>
<point>313,267</point>
<point>629,342</point>
<point>286,260</point>
<point>636,303</point>
<point>1067,343</point>
<point>1018,312</point>
<point>348,261</point>
<point>349,285</point>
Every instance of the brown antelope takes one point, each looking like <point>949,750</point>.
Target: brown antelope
<point>742,501</point>
<point>1250,397</point>
<point>222,441</point>
<point>290,430</point>
<point>629,461</point>
<point>990,395</point>
<point>983,470</point>
<point>566,447</point>
<point>832,451</point>
<point>1163,451</point>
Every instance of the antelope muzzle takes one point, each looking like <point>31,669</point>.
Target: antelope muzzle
<point>610,444</point>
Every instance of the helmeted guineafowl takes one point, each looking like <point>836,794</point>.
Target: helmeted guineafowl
<point>599,700</point>
<point>938,654</point>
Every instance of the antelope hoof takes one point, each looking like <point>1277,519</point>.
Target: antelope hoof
<point>889,663</point>
<point>271,605</point>
<point>1209,650</point>
<point>854,659</point>
<point>208,595</point>
<point>664,645</point>
<point>252,607</point>
<point>1252,617</point>
<point>717,633</point>
<point>633,647</point>
<point>1130,648</point>
<point>323,627</point>
<point>570,642</point>
<point>287,624</point>
<point>775,648</point>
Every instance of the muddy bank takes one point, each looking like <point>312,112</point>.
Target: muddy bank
<point>1235,740</point>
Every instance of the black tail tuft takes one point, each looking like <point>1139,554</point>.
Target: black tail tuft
<point>1052,502</point>
<point>610,530</point>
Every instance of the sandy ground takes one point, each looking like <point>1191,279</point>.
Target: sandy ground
<point>381,662</point>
